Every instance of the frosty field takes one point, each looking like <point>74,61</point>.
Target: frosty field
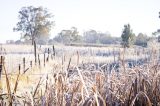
<point>79,76</point>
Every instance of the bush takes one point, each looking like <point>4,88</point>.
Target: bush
<point>141,40</point>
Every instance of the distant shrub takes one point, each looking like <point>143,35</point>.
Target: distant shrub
<point>141,40</point>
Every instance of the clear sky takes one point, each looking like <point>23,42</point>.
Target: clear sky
<point>101,15</point>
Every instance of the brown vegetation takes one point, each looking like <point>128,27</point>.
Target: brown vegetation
<point>67,84</point>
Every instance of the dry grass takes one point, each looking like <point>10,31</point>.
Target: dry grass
<point>63,83</point>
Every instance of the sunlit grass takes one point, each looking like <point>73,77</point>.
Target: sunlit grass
<point>63,82</point>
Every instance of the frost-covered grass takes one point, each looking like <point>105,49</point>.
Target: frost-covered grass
<point>64,80</point>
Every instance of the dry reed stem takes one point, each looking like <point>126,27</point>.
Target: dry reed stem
<point>16,84</point>
<point>81,78</point>
<point>35,91</point>
<point>8,86</point>
<point>144,94</point>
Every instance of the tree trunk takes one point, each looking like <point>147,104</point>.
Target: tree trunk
<point>35,52</point>
<point>32,40</point>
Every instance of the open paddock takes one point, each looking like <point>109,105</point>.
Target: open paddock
<point>79,76</point>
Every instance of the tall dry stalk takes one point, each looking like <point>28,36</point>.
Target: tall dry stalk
<point>81,78</point>
<point>8,86</point>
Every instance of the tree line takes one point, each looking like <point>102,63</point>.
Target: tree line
<point>127,39</point>
<point>35,24</point>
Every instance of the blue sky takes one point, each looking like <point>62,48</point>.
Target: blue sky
<point>102,15</point>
